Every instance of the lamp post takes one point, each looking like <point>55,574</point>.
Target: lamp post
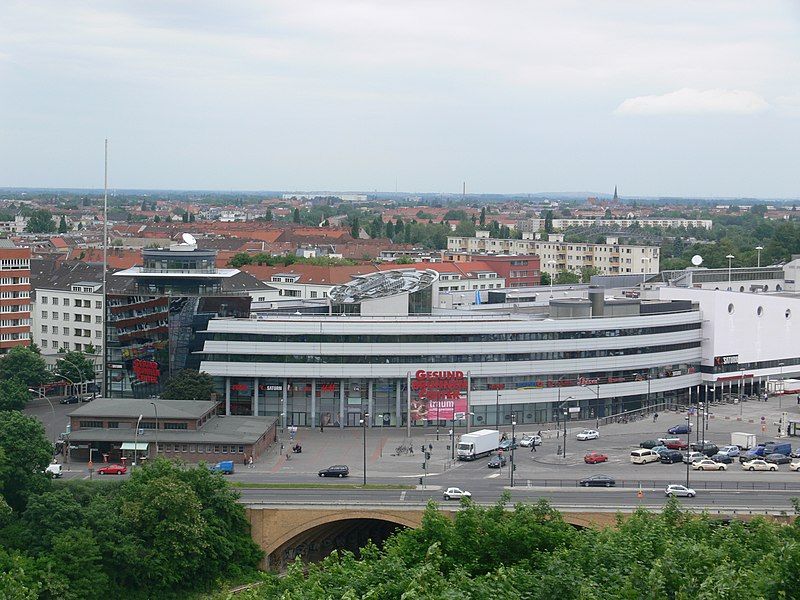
<point>688,447</point>
<point>453,442</point>
<point>497,409</point>
<point>77,368</point>
<point>597,405</point>
<point>730,257</point>
<point>513,444</point>
<point>566,416</point>
<point>363,423</point>
<point>780,396</point>
<point>644,260</point>
<point>136,442</point>
<point>759,249</point>
<point>155,408</point>
<point>52,410</point>
<point>552,264</point>
<point>72,383</point>
<point>741,392</point>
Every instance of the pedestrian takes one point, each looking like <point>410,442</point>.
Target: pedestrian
<point>244,459</point>
<point>411,448</point>
<point>430,447</point>
<point>655,417</point>
<point>322,427</point>
<point>250,462</point>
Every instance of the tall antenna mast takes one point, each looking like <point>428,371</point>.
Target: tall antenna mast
<point>105,269</point>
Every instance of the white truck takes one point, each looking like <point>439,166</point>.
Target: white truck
<point>478,443</point>
<point>745,441</point>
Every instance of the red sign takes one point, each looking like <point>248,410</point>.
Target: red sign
<point>146,371</point>
<point>440,395</point>
<point>327,387</point>
<point>239,387</point>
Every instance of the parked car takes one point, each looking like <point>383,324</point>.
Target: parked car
<point>671,456</point>
<point>706,448</point>
<point>69,400</point>
<point>679,490</point>
<point>507,446</point>
<point>730,451</point>
<point>587,434</point>
<point>649,444</point>
<point>497,461</point>
<point>454,493</point>
<point>709,465</point>
<point>677,445</point>
<point>777,448</point>
<point>54,470</point>
<point>759,464</point>
<point>794,466</point>
<point>335,471</point>
<point>722,458</point>
<point>112,470</point>
<point>530,439</point>
<point>693,457</point>
<point>681,429</point>
<point>660,449</point>
<point>643,456</point>
<point>593,458</point>
<point>598,481</point>
<point>778,459</point>
<point>753,453</point>
<point>665,441</point>
<point>224,466</point>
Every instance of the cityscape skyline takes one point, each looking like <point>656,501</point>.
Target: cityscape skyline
<point>682,100</point>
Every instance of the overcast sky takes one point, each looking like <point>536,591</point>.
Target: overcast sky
<point>678,97</point>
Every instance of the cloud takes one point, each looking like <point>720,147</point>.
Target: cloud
<point>689,101</point>
<point>788,105</point>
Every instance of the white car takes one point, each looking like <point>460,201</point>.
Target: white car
<point>759,465</point>
<point>530,439</point>
<point>709,465</point>
<point>455,493</point>
<point>679,490</point>
<point>588,434</point>
<point>54,470</point>
<point>794,466</point>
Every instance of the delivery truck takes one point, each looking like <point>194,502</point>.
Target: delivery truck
<point>478,443</point>
<point>745,441</point>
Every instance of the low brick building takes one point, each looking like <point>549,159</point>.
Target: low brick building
<point>106,429</point>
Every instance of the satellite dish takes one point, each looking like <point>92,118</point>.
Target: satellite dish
<point>697,260</point>
<point>188,238</point>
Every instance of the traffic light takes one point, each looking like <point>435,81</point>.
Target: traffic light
<point>427,456</point>
<point>424,466</point>
<point>513,467</point>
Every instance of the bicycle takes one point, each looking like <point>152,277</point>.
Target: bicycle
<point>400,450</point>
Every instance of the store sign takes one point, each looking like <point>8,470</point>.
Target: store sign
<point>270,387</point>
<point>146,371</point>
<point>327,387</point>
<point>240,387</point>
<point>731,359</point>
<point>440,395</point>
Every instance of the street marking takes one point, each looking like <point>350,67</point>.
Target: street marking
<point>402,496</point>
<point>493,475</point>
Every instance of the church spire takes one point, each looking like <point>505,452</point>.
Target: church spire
<point>615,198</point>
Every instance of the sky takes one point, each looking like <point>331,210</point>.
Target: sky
<point>680,98</point>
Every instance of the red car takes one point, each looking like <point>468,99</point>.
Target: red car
<point>112,470</point>
<point>595,457</point>
<point>677,445</point>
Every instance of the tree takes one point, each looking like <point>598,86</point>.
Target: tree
<point>548,221</point>
<point>587,272</point>
<point>482,219</point>
<point>14,394</point>
<point>25,452</point>
<point>567,277</point>
<point>76,367</point>
<point>389,229</point>
<point>268,215</point>
<point>41,221</point>
<point>156,219</point>
<point>545,278</point>
<point>355,229</point>
<point>24,364</point>
<point>296,215</point>
<point>189,385</point>
<point>240,259</point>
<point>62,225</point>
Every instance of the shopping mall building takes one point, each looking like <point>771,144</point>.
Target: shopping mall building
<point>376,349</point>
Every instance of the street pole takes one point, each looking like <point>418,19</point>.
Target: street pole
<point>136,442</point>
<point>730,257</point>
<point>52,410</point>
<point>363,423</point>
<point>759,249</point>
<point>497,409</point>
<point>155,408</point>
<point>780,396</point>
<point>741,393</point>
<point>513,438</point>
<point>453,442</point>
<point>688,449</point>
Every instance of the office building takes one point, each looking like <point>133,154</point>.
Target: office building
<point>15,291</point>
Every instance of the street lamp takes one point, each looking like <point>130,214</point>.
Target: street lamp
<point>645,259</point>
<point>513,445</point>
<point>566,416</point>
<point>552,264</point>
<point>155,408</point>
<point>71,382</point>
<point>741,392</point>
<point>688,446</point>
<point>363,423</point>
<point>730,257</point>
<point>52,409</point>
<point>136,442</point>
<point>780,396</point>
<point>597,405</point>
<point>759,249</point>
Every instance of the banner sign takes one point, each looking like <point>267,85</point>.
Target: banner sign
<point>721,361</point>
<point>440,393</point>
<point>146,371</point>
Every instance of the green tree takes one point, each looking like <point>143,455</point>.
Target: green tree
<point>240,259</point>
<point>296,215</point>
<point>76,367</point>
<point>482,219</point>
<point>567,277</point>
<point>189,385</point>
<point>268,215</point>
<point>24,364</point>
<point>14,394</point>
<point>41,221</point>
<point>156,219</point>
<point>545,279</point>
<point>62,225</point>
<point>24,454</point>
<point>355,228</point>
<point>465,228</point>
<point>548,221</point>
<point>389,229</point>
<point>587,272</point>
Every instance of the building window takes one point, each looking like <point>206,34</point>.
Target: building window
<point>98,319</point>
<point>241,449</point>
<point>44,343</point>
<point>55,316</point>
<point>183,448</point>
<point>44,314</point>
<point>113,424</point>
<point>66,316</point>
<point>192,448</point>
<point>175,426</point>
<point>98,304</point>
<point>224,449</point>
<point>91,424</point>
<point>44,328</point>
<point>66,301</point>
<point>65,330</point>
<point>55,301</point>
<point>216,449</point>
<point>98,334</point>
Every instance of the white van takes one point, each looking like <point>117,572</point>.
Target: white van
<point>54,470</point>
<point>642,456</point>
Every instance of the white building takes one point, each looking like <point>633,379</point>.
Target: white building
<point>611,258</point>
<point>665,223</point>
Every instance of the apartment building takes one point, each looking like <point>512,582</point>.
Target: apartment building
<point>556,255</point>
<point>67,309</point>
<point>15,291</point>
<point>665,223</point>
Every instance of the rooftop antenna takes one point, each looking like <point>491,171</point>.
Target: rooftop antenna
<point>105,264</point>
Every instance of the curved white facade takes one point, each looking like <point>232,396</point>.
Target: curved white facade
<point>334,369</point>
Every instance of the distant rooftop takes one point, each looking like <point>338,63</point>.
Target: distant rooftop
<point>382,284</point>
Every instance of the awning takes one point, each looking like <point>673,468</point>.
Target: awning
<point>138,446</point>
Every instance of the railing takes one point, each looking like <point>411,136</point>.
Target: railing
<point>645,484</point>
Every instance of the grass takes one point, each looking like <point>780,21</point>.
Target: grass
<point>321,486</point>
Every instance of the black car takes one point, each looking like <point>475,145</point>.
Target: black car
<point>497,461</point>
<point>778,459</point>
<point>507,446</point>
<point>683,429</point>
<point>706,448</point>
<point>598,481</point>
<point>70,400</point>
<point>722,458</point>
<point>671,456</point>
<point>335,471</point>
<point>649,444</point>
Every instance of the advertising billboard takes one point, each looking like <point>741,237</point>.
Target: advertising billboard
<point>439,395</point>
